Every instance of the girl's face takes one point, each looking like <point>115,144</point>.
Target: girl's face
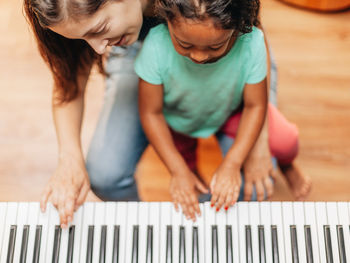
<point>200,41</point>
<point>116,23</point>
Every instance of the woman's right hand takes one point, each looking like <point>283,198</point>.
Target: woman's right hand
<point>184,189</point>
<point>67,188</point>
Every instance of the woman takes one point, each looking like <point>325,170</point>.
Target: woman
<point>72,35</point>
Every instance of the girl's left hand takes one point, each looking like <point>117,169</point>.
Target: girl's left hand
<point>225,186</point>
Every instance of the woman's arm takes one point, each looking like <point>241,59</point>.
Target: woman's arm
<point>224,183</point>
<point>69,185</point>
<point>184,183</point>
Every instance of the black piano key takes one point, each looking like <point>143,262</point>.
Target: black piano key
<point>103,244</point>
<point>214,244</point>
<point>341,245</point>
<point>90,244</point>
<point>294,243</point>
<point>24,247</point>
<point>115,255</point>
<point>274,237</point>
<point>182,246</point>
<point>169,244</point>
<point>308,244</point>
<point>262,254</point>
<point>11,245</point>
<point>229,251</point>
<point>328,243</point>
<point>195,247</point>
<point>70,244</point>
<point>56,244</point>
<point>135,245</point>
<point>248,243</point>
<point>37,242</point>
<point>149,252</point>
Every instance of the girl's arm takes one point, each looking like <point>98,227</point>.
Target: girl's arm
<point>226,181</point>
<point>69,185</point>
<point>183,183</point>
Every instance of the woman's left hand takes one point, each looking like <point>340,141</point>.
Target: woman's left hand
<point>225,186</point>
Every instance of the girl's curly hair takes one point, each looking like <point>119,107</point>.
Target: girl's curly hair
<point>239,15</point>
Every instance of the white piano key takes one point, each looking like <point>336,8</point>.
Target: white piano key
<point>132,220</point>
<point>199,223</point>
<point>209,213</point>
<point>78,230</point>
<point>22,219</point>
<point>64,245</point>
<point>220,220</point>
<point>154,220</point>
<point>177,222</point>
<point>265,220</point>
<point>44,222</point>
<point>288,220</point>
<point>33,217</point>
<point>321,219</point>
<point>277,220</point>
<point>310,219</point>
<point>53,222</point>
<point>232,220</point>
<point>254,221</point>
<point>165,221</point>
<point>143,223</point>
<point>121,219</point>
<point>299,220</point>
<point>332,215</point>
<point>88,220</point>
<point>344,221</point>
<point>188,223</point>
<point>111,208</point>
<point>99,217</point>
<point>11,216</point>
<point>243,220</point>
<point>3,208</point>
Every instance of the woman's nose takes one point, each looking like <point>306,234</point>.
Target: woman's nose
<point>98,45</point>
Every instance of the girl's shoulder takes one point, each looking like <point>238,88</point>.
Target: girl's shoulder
<point>159,33</point>
<point>255,35</point>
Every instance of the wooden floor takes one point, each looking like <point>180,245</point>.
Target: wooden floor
<point>313,55</point>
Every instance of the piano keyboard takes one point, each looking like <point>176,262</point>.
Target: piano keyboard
<point>145,232</point>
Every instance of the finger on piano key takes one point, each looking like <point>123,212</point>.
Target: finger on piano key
<point>22,219</point>
<point>277,224</point>
<point>9,233</point>
<point>209,213</point>
<point>265,221</point>
<point>232,221</point>
<point>243,221</point>
<point>132,230</point>
<point>254,222</point>
<point>165,230</point>
<point>143,220</point>
<point>321,219</point>
<point>154,221</point>
<point>344,223</point>
<point>201,237</point>
<point>87,232</point>
<point>111,208</point>
<point>310,221</point>
<point>176,224</point>
<point>121,219</point>
<point>220,219</point>
<point>77,240</point>
<point>332,216</point>
<point>33,216</point>
<point>99,221</point>
<point>288,221</point>
<point>299,220</point>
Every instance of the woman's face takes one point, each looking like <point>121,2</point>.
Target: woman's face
<point>116,23</point>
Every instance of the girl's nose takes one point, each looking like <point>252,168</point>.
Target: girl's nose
<point>98,45</point>
<point>199,56</point>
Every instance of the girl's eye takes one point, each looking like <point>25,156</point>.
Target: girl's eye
<point>185,46</point>
<point>215,48</point>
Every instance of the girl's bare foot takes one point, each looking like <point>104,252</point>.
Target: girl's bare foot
<point>299,183</point>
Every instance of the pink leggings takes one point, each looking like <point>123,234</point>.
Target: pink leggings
<point>283,138</point>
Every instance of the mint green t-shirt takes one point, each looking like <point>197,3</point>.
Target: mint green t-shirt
<point>198,98</point>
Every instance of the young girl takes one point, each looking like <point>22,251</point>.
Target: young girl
<point>195,73</point>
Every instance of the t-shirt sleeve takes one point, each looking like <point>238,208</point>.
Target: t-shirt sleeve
<point>258,70</point>
<point>147,65</point>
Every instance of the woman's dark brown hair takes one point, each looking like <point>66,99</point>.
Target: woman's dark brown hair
<point>65,57</point>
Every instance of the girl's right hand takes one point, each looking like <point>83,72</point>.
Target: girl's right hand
<point>67,188</point>
<point>183,189</point>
